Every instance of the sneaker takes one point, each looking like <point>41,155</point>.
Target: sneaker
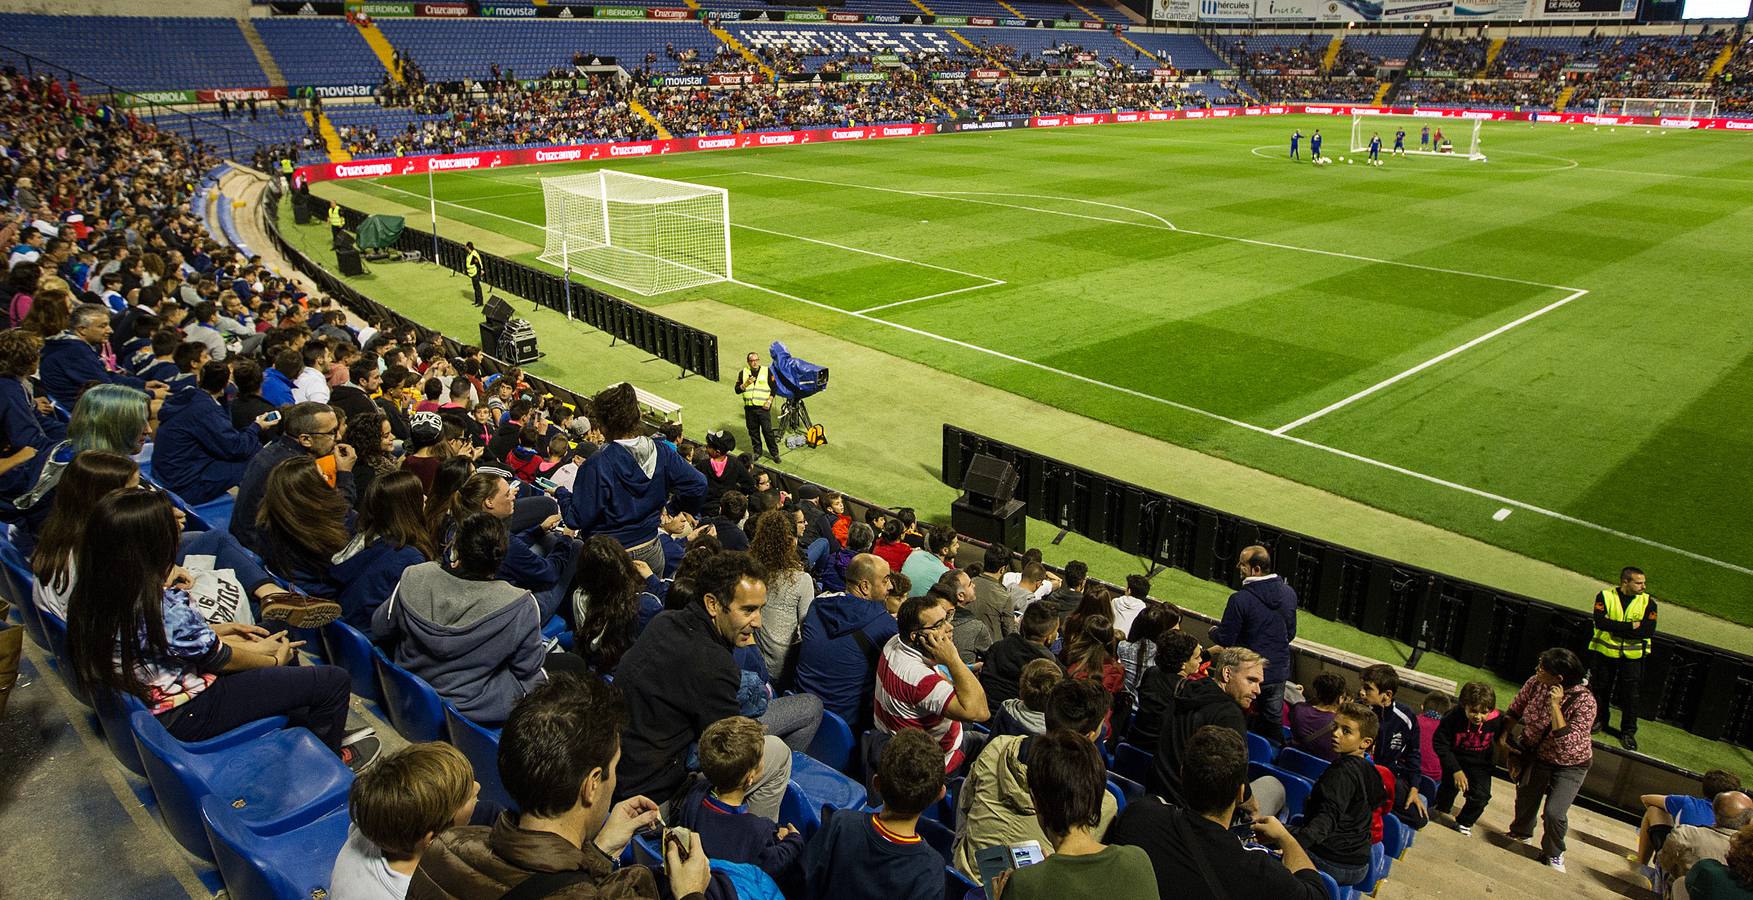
<point>1463,830</point>
<point>361,754</point>
<point>1629,742</point>
<point>1557,863</point>
<point>1519,838</point>
<point>356,735</point>
<point>299,610</point>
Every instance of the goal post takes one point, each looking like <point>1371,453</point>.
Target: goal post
<point>1459,138</point>
<point>642,234</point>
<point>1658,107</point>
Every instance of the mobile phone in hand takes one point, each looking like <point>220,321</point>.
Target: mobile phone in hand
<point>547,484</point>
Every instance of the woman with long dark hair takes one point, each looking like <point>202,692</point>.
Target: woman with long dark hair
<point>134,630</point>
<point>541,554</point>
<point>452,474</point>
<point>368,433</point>
<point>613,597</point>
<point>773,544</point>
<point>303,523</point>
<point>389,536</point>
<point>1097,601</point>
<point>1089,654</point>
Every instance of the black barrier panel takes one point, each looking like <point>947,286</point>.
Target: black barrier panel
<point>1705,690</point>
<point>687,347</point>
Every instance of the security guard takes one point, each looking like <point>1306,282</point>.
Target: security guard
<point>1625,625</point>
<point>335,220</point>
<point>755,386</point>
<point>472,268</point>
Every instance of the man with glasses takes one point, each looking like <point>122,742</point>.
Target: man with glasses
<point>923,683</point>
<point>755,385</point>
<point>310,429</point>
<point>71,359</point>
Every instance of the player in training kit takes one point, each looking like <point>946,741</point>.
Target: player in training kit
<point>1295,136</point>
<point>1400,142</point>
<point>1438,147</point>
<point>1376,147</point>
<point>1424,138</point>
<point>1315,145</point>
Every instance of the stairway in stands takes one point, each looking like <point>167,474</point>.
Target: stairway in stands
<point>1491,56</point>
<point>269,67</point>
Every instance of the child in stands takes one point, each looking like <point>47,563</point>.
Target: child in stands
<point>730,758</point>
<point>1311,721</point>
<point>398,806</point>
<point>880,856</point>
<point>1436,705</point>
<point>1397,743</point>
<point>1463,743</point>
<point>1337,816</point>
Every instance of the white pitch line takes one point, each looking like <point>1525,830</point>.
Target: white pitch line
<point>1246,426</point>
<point>1341,404</point>
<point>940,195</point>
<point>1259,429</point>
<point>1166,222</point>
<point>870,309</point>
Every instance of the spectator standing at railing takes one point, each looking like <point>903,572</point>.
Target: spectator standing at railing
<point>1262,617</point>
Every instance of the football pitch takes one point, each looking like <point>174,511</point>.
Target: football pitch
<point>1543,351</point>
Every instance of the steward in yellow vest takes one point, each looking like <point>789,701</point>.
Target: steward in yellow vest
<point>472,268</point>
<point>1625,627</point>
<point>755,386</point>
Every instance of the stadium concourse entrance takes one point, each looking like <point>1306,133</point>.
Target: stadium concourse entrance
<point>1441,142</point>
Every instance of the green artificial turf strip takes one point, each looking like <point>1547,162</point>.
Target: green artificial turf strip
<point>1625,408</point>
<point>888,455</point>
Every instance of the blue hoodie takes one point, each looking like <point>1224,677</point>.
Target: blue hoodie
<point>1262,617</point>
<point>69,363</point>
<point>622,489</point>
<point>277,388</point>
<point>478,643</point>
<point>365,576</point>
<point>197,453</point>
<point>832,664</point>
<point>22,426</point>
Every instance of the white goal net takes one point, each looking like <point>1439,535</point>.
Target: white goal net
<point>646,235</point>
<point>1448,136</point>
<point>1658,107</point>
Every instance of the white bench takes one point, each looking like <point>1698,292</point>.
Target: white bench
<point>667,410</point>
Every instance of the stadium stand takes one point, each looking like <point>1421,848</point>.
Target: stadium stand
<point>468,49</point>
<point>138,54</point>
<point>320,51</point>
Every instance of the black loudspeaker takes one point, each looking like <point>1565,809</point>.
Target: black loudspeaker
<point>1005,525</point>
<point>990,483</point>
<point>490,338</point>
<point>497,310</point>
<point>301,209</point>
<point>348,262</point>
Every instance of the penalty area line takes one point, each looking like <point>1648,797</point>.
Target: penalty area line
<point>1260,429</point>
<point>1387,382</point>
<point>994,282</point>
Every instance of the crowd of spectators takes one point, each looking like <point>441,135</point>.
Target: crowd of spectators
<point>1460,56</point>
<point>1481,94</point>
<point>1293,89</point>
<point>1305,55</point>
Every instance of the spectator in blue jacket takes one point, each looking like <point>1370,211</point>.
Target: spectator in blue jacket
<point>197,453</point>
<point>1262,617</point>
<point>475,639</point>
<point>623,489</point>
<point>390,537</point>
<point>71,360</point>
<point>843,635</point>
<point>306,429</point>
<point>28,426</point>
<point>277,381</point>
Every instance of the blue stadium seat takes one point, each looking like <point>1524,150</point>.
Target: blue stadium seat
<point>414,709</point>
<point>825,786</point>
<point>1133,763</point>
<point>1396,836</point>
<point>267,778</point>
<point>1129,790</point>
<point>481,745</point>
<point>799,811</point>
<point>833,743</point>
<point>1378,870</point>
<point>113,709</point>
<point>15,574</point>
<point>1260,750</point>
<point>1118,792</point>
<point>55,629</point>
<point>1307,765</point>
<point>1334,891</point>
<point>347,647</point>
<point>290,862</point>
<point>1296,788</point>
<point>217,513</point>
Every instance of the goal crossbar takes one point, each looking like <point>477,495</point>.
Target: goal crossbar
<point>1658,107</point>
<point>1461,134</point>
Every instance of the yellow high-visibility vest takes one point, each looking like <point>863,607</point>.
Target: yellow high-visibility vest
<point>472,265</point>
<point>1613,646</point>
<point>756,392</point>
<point>335,220</point>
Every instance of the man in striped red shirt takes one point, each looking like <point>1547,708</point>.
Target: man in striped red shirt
<point>922,682</point>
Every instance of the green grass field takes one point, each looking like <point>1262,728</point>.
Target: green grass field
<point>1588,370</point>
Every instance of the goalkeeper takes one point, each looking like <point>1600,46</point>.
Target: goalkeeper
<point>1376,147</point>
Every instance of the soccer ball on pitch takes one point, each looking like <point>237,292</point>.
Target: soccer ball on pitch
<point>1347,161</point>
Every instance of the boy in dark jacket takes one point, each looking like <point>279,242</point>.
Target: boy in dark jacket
<point>730,758</point>
<point>1396,742</point>
<point>1463,742</point>
<point>198,454</point>
<point>1006,658</point>
<point>880,856</point>
<point>1336,818</point>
